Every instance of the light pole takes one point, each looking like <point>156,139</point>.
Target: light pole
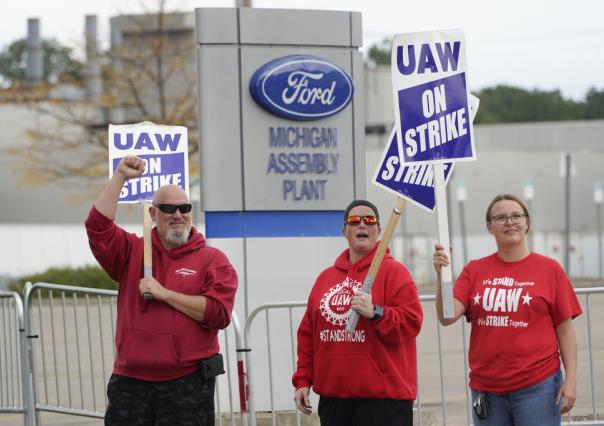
<point>529,194</point>
<point>462,196</point>
<point>599,199</point>
<point>567,195</point>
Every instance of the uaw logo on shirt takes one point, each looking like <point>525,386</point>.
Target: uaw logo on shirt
<point>500,296</point>
<point>335,304</point>
<point>335,308</point>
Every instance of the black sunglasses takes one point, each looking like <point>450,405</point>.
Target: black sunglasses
<point>171,208</point>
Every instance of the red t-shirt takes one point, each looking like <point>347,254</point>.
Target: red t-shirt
<point>514,308</point>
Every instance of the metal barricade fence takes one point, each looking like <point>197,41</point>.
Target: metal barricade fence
<point>443,394</point>
<point>72,351</point>
<point>13,394</point>
<point>287,345</point>
<point>57,353</point>
<point>595,363</point>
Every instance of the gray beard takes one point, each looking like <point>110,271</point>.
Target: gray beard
<point>178,238</point>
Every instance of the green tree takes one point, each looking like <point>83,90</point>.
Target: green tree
<point>594,105</point>
<point>58,62</point>
<point>379,53</point>
<point>507,104</point>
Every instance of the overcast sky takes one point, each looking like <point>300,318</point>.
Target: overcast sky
<point>553,44</point>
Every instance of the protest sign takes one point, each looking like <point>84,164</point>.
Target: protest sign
<point>163,148</point>
<point>433,116</point>
<point>430,88</point>
<point>414,182</point>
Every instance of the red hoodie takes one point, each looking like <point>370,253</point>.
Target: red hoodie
<point>154,341</point>
<point>379,359</point>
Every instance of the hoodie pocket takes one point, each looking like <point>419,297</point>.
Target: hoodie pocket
<point>349,375</point>
<point>147,350</point>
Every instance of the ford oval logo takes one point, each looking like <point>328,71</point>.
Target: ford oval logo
<point>301,87</point>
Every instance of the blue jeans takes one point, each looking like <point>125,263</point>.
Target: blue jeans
<point>535,405</point>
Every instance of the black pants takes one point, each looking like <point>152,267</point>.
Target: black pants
<point>186,401</point>
<point>365,412</point>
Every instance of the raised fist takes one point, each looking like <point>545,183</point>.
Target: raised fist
<point>130,167</point>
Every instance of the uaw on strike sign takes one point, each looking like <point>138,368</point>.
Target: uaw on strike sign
<point>430,87</point>
<point>415,182</point>
<point>164,150</point>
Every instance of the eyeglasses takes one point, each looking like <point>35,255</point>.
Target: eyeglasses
<point>502,219</point>
<point>171,208</point>
<point>356,220</point>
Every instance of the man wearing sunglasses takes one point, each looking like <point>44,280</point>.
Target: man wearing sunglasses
<point>161,343</point>
<point>368,377</point>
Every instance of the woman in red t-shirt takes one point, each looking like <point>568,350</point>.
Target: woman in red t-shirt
<point>521,305</point>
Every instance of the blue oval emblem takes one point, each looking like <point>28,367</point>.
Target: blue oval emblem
<point>301,87</point>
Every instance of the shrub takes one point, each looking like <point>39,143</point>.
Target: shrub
<point>87,276</point>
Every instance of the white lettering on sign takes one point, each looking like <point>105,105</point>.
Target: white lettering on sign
<point>415,174</point>
<point>152,165</point>
<point>300,92</point>
<point>164,149</point>
<point>434,101</point>
<point>436,132</point>
<point>149,184</point>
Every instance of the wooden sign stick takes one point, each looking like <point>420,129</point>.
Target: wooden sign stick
<point>443,238</point>
<point>377,259</point>
<point>147,252</point>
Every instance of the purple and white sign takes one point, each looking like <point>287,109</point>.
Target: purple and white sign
<point>301,87</point>
<point>415,182</point>
<point>430,85</point>
<point>163,148</point>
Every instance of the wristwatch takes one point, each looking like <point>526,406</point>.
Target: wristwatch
<point>378,312</point>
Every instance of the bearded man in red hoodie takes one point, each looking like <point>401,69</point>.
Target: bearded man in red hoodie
<point>368,377</point>
<point>161,343</point>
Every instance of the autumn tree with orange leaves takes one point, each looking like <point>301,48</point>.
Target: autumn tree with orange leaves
<point>148,74</point>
